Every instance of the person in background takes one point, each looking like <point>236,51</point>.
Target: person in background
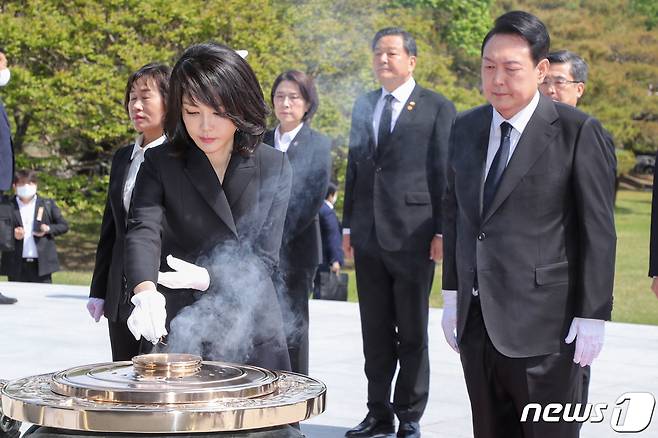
<point>6,150</point>
<point>391,218</point>
<point>295,101</point>
<point>330,231</point>
<point>37,221</point>
<point>207,219</point>
<point>145,103</point>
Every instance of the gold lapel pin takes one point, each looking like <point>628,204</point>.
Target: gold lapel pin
<point>411,105</point>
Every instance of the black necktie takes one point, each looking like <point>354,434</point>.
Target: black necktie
<point>497,167</point>
<point>384,131</point>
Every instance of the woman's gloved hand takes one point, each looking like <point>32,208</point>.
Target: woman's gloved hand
<point>95,307</point>
<point>149,316</point>
<point>185,275</point>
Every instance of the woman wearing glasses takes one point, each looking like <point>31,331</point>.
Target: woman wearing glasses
<point>295,101</point>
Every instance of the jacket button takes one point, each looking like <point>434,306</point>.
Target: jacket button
<point>378,169</point>
<point>481,236</point>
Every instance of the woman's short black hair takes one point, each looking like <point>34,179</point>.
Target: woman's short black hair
<point>528,27</point>
<point>159,73</point>
<point>306,87</point>
<point>215,75</point>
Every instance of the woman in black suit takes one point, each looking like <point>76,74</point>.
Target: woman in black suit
<point>295,101</point>
<point>208,212</point>
<point>145,98</point>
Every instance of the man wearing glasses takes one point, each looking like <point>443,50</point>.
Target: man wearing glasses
<point>565,81</point>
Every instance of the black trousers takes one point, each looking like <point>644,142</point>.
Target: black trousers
<point>293,287</point>
<point>123,343</point>
<point>394,289</point>
<point>499,387</point>
<point>29,273</point>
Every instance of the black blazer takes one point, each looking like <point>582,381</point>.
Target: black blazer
<point>332,249</point>
<point>233,229</point>
<point>310,158</point>
<point>48,261</point>
<point>394,188</point>
<point>653,241</point>
<point>545,250</point>
<point>108,281</point>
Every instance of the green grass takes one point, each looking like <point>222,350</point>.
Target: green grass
<point>634,301</point>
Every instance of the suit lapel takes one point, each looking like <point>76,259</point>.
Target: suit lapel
<point>116,191</point>
<point>407,113</point>
<point>17,213</point>
<point>239,173</point>
<point>298,142</point>
<point>372,99</point>
<point>536,137</point>
<point>200,172</point>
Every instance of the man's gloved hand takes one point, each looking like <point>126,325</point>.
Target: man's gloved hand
<point>184,275</point>
<point>449,318</point>
<point>95,307</point>
<point>589,334</point>
<point>149,315</point>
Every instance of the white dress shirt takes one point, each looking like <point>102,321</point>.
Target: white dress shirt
<point>518,121</point>
<point>400,97</point>
<point>282,141</point>
<point>137,158</point>
<point>329,204</point>
<point>27,217</point>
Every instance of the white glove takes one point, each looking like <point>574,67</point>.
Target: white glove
<point>449,318</point>
<point>588,334</point>
<point>95,308</point>
<point>148,317</point>
<point>184,275</point>
<point>243,53</point>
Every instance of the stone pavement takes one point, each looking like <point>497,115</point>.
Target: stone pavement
<point>49,330</point>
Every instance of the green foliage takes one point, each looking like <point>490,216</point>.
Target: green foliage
<point>648,8</point>
<point>625,161</point>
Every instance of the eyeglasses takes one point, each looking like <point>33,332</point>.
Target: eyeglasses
<point>293,98</point>
<point>558,82</point>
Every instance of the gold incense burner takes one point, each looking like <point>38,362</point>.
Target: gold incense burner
<point>163,393</point>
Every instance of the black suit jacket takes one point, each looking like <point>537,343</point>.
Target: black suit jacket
<point>6,152</point>
<point>233,229</point>
<point>395,188</point>
<point>108,281</point>
<point>545,250</point>
<point>332,249</point>
<point>48,261</point>
<point>310,158</point>
<point>653,241</point>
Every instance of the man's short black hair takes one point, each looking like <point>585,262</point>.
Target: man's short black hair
<point>577,65</point>
<point>27,175</point>
<point>331,190</point>
<point>408,41</point>
<point>528,27</point>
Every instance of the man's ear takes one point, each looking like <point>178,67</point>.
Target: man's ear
<point>580,89</point>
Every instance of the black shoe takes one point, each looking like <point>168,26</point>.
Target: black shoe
<point>7,300</point>
<point>409,429</point>
<point>371,427</point>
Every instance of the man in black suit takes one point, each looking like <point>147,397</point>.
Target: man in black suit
<point>37,221</point>
<point>397,151</point>
<point>332,251</point>
<point>529,239</point>
<point>6,154</point>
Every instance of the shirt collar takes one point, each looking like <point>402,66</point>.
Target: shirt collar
<point>329,204</point>
<point>403,92</point>
<point>137,147</point>
<point>287,137</point>
<point>520,119</point>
